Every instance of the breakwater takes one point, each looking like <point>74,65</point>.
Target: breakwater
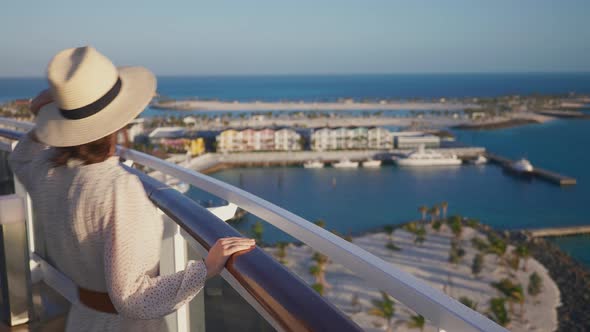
<point>544,174</point>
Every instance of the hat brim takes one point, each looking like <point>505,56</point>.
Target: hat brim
<point>138,86</point>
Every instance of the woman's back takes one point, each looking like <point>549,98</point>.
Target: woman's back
<point>73,204</point>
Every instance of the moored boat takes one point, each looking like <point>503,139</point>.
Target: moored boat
<point>345,163</point>
<point>521,166</point>
<point>372,163</point>
<point>480,160</point>
<point>423,157</point>
<point>313,164</point>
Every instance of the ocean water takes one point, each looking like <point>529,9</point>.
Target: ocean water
<point>331,87</point>
<point>359,200</point>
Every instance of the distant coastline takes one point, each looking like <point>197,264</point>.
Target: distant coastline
<point>347,105</point>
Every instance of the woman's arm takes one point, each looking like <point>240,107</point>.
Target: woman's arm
<point>22,158</point>
<point>133,242</point>
<point>29,148</point>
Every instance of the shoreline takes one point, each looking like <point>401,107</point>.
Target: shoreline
<point>225,106</point>
<point>512,123</point>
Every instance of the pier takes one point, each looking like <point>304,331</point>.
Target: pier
<point>559,231</point>
<point>544,174</point>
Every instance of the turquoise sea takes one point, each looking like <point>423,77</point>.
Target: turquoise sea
<point>359,200</point>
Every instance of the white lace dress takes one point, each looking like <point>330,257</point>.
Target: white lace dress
<point>101,230</point>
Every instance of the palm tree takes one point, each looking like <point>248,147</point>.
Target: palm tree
<point>315,271</point>
<point>513,293</point>
<point>321,263</point>
<point>389,230</point>
<point>318,288</point>
<point>257,231</point>
<point>457,228</point>
<point>477,265</point>
<point>423,210</point>
<point>417,322</point>
<point>420,235</point>
<point>444,206</point>
<point>436,211</point>
<point>469,303</point>
<point>384,308</point>
<point>497,247</point>
<point>498,311</point>
<point>390,245</point>
<point>282,252</point>
<point>535,284</point>
<point>432,213</point>
<point>522,251</point>
<point>320,222</point>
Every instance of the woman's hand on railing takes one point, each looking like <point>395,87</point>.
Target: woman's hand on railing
<point>222,250</point>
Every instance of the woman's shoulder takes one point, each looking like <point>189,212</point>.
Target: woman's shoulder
<point>111,173</point>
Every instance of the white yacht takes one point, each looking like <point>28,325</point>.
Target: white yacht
<point>345,163</point>
<point>480,160</point>
<point>423,157</point>
<point>522,166</point>
<point>371,163</point>
<point>313,164</point>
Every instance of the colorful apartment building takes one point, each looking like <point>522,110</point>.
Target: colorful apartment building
<point>266,139</point>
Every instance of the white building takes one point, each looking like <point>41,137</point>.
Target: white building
<point>287,140</point>
<point>413,142</point>
<point>379,138</point>
<point>351,138</point>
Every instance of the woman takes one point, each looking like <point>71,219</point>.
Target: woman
<point>99,227</point>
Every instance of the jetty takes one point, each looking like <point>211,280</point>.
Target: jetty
<point>558,231</point>
<point>544,174</point>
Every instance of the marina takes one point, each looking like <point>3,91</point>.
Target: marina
<point>211,162</point>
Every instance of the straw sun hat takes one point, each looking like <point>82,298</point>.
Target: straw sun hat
<point>92,97</point>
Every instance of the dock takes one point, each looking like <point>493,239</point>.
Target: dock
<point>559,231</point>
<point>544,174</point>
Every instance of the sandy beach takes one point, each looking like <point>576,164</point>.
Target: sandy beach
<point>429,262</point>
<point>203,105</point>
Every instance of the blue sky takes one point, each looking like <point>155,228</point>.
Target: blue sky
<point>302,36</point>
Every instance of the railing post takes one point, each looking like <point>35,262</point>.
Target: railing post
<point>15,276</point>
<point>173,259</point>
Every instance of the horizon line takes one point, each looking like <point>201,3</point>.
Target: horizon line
<point>342,74</point>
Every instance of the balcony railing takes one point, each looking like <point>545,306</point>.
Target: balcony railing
<point>281,297</point>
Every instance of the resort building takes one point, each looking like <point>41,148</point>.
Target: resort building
<point>351,138</point>
<point>265,139</point>
<point>287,140</point>
<point>379,138</point>
<point>227,140</point>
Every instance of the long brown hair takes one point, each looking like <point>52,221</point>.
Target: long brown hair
<point>89,153</point>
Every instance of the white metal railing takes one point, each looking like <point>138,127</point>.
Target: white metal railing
<point>441,310</point>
